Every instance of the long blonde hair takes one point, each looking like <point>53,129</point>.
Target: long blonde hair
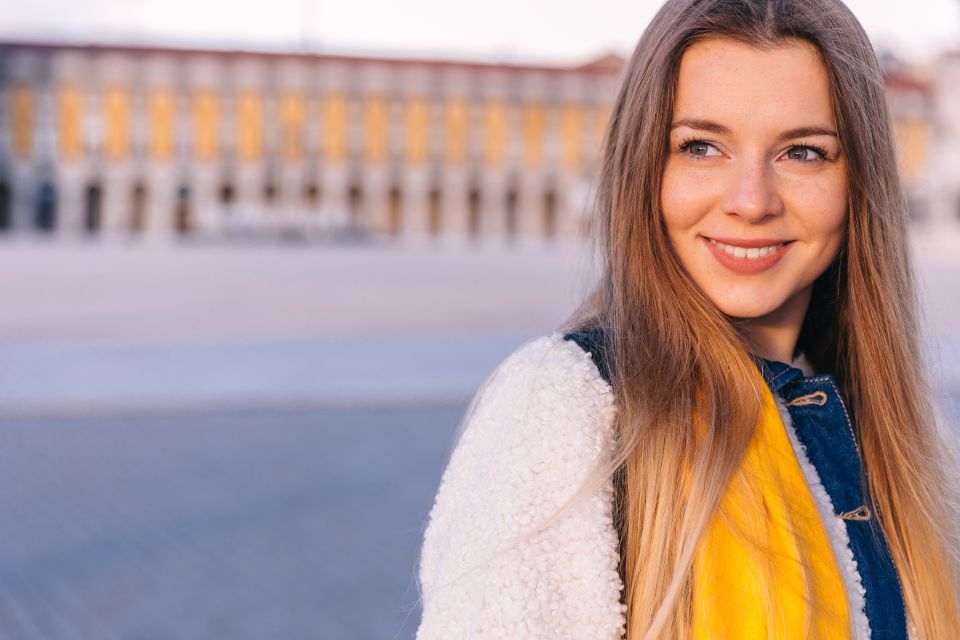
<point>671,352</point>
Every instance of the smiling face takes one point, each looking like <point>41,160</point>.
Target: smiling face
<point>754,192</point>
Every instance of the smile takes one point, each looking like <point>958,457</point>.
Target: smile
<point>743,252</point>
<point>747,256</point>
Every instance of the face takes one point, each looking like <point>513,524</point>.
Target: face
<point>754,193</point>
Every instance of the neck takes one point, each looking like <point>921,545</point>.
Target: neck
<point>774,336</point>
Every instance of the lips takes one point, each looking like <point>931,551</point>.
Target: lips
<point>755,243</point>
<point>752,255</point>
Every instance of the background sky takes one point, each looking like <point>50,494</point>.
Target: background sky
<point>500,29</point>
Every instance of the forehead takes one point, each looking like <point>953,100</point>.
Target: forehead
<point>736,83</point>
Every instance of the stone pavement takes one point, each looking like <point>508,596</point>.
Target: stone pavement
<point>104,328</point>
<point>247,526</point>
<point>118,328</point>
<point>83,379</point>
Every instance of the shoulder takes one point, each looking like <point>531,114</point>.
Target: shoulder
<point>555,362</point>
<point>533,432</point>
<point>548,393</point>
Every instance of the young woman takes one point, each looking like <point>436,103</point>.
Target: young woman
<point>732,437</point>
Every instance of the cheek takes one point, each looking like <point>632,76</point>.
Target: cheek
<point>837,231</point>
<point>682,201</point>
<point>824,207</point>
<point>838,207</point>
<point>827,217</point>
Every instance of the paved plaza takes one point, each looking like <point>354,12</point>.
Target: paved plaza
<point>243,526</point>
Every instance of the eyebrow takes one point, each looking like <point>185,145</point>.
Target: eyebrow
<point>719,129</point>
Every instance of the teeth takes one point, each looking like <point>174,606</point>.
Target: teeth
<point>740,252</point>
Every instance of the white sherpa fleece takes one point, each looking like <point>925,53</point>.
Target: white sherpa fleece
<point>537,426</point>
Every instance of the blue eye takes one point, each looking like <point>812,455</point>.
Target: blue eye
<point>698,148</point>
<point>807,153</point>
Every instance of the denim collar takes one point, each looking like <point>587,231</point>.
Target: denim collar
<point>777,374</point>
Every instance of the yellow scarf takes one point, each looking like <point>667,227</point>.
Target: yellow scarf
<point>793,591</point>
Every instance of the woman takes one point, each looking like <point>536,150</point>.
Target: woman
<point>732,437</point>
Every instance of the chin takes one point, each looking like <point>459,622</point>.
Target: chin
<point>746,310</point>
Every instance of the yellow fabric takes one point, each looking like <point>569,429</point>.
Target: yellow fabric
<point>769,503</point>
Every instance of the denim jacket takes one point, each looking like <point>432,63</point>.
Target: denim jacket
<point>823,431</point>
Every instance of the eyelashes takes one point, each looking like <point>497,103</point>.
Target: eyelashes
<point>687,143</point>
<point>815,148</point>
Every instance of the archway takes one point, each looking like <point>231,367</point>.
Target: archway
<point>45,218</point>
<point>473,212</point>
<point>269,194</point>
<point>93,207</point>
<point>311,195</point>
<point>434,212</point>
<point>511,212</point>
<point>227,197</point>
<point>355,206</point>
<point>138,217</point>
<point>4,206</point>
<point>182,216</point>
<point>394,211</point>
<point>226,194</point>
<point>550,213</point>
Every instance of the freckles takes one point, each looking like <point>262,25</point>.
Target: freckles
<point>822,202</point>
<point>684,197</point>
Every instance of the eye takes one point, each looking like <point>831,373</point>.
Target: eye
<point>698,148</point>
<point>807,153</point>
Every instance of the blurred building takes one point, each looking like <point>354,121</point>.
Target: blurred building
<point>943,151</point>
<point>911,96</point>
<point>156,142</point>
<point>121,140</point>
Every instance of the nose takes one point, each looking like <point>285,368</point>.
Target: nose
<point>751,192</point>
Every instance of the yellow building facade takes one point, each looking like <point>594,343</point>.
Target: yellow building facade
<point>163,142</point>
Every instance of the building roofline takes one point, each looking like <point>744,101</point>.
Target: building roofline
<point>603,65</point>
